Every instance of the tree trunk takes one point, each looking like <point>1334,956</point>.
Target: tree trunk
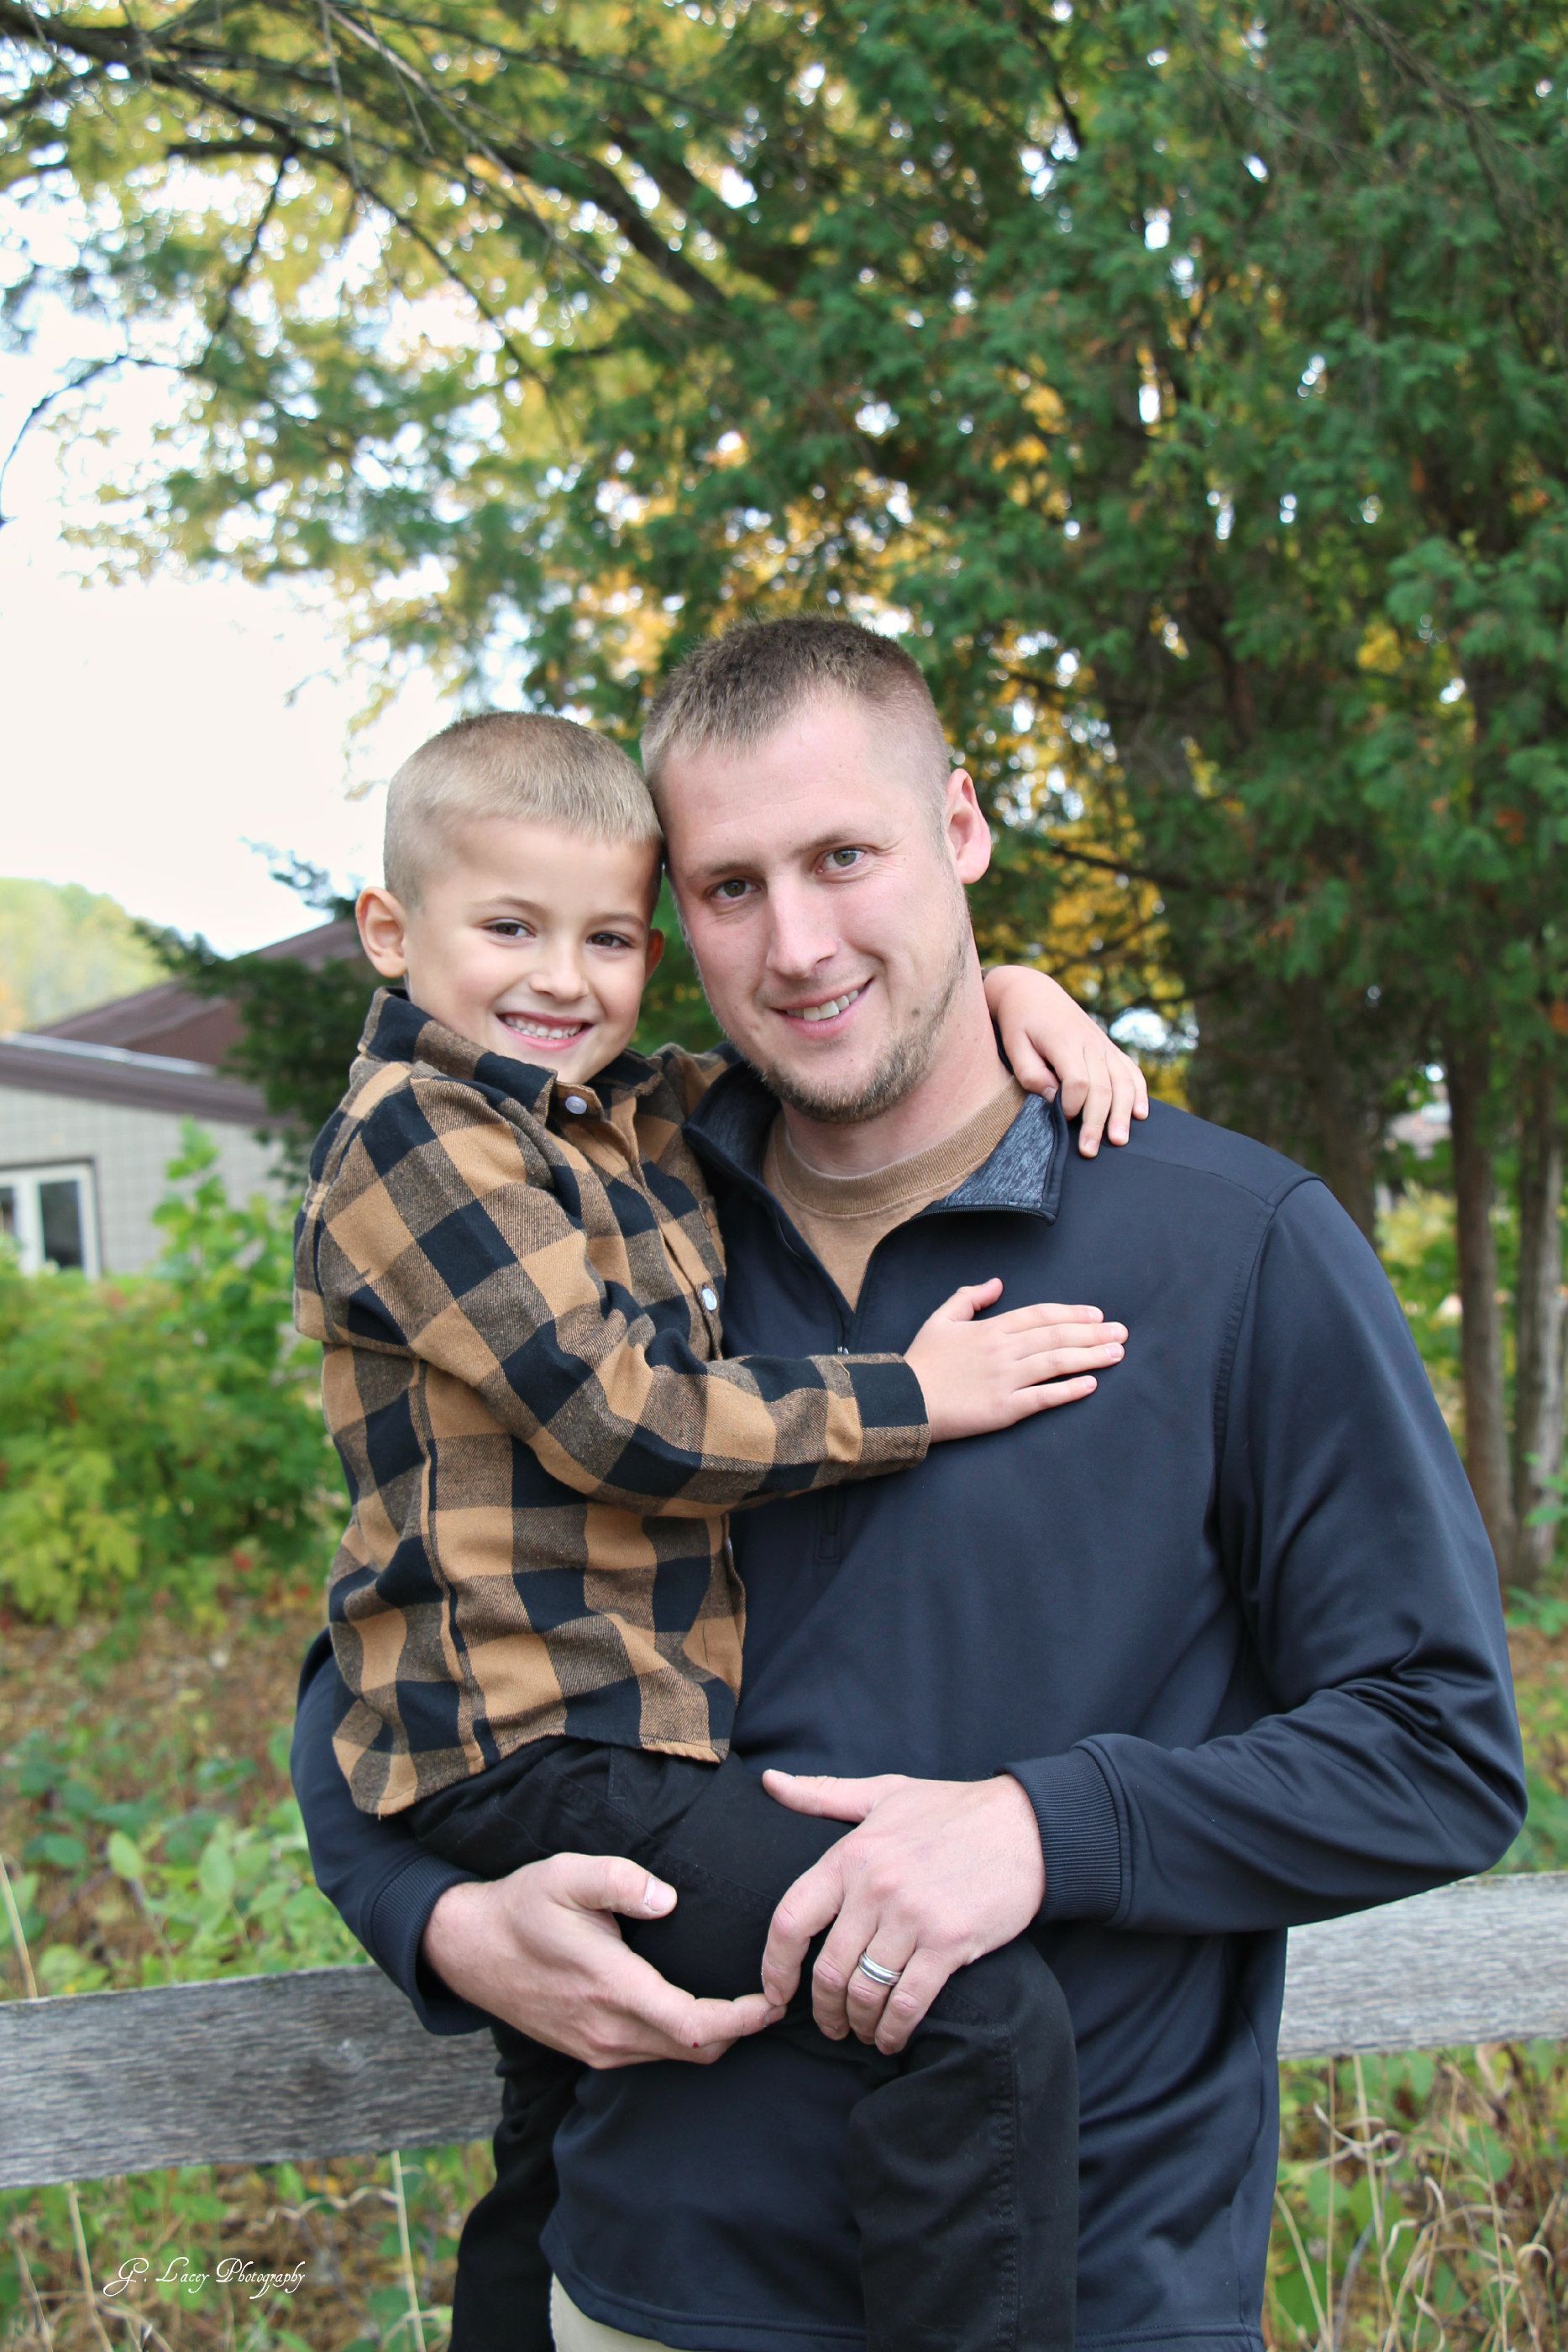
<point>1343,1126</point>
<point>1538,1393</point>
<point>1468,1065</point>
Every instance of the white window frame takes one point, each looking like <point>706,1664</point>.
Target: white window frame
<point>29,1234</point>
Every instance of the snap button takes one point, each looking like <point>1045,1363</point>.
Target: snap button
<point>841,1349</point>
<point>708,1295</point>
<point>576,1102</point>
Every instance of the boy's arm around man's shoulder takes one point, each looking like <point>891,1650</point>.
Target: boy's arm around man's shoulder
<point>441,1235</point>
<point>1368,1589</point>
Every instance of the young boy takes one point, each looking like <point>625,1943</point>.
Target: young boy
<point>510,1256</point>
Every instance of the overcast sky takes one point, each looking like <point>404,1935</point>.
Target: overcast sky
<point>151,731</point>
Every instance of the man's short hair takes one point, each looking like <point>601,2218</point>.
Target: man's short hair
<point>736,689</point>
<point>514,764</point>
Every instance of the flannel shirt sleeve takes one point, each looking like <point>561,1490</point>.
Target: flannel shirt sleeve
<point>691,1075</point>
<point>438,1238</point>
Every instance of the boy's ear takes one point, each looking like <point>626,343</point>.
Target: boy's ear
<point>383,928</point>
<point>655,953</point>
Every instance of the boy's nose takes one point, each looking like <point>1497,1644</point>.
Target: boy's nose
<point>559,974</point>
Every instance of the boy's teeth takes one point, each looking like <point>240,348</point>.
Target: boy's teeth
<point>553,1031</point>
<point>834,1005</point>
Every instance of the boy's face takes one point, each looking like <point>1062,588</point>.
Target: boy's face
<point>527,940</point>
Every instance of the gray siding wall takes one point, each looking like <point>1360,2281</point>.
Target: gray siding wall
<point>128,1149</point>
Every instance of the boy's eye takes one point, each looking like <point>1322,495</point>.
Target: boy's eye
<point>608,940</point>
<point>505,927</point>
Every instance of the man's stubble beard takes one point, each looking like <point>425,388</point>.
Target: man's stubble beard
<point>905,1062</point>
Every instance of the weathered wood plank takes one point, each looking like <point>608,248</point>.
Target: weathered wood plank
<point>330,2061</point>
<point>1483,1960</point>
<point>318,2062</point>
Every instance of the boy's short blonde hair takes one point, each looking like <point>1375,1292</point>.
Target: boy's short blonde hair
<point>514,763</point>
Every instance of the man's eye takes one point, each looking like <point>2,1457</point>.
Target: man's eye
<point>728,892</point>
<point>842,861</point>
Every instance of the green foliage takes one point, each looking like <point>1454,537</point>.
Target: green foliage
<point>223,1894</point>
<point>1419,2202</point>
<point>63,949</point>
<point>299,1021</point>
<point>1187,381</point>
<point>160,1432</point>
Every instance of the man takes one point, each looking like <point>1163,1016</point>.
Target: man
<point>1217,1653</point>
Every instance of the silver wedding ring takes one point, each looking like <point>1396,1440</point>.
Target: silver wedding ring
<point>877,1973</point>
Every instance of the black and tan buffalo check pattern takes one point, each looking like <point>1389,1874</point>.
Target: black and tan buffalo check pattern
<point>518,1301</point>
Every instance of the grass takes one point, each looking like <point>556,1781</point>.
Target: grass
<point>150,1835</point>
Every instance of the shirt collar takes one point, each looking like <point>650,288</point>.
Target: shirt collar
<point>729,1130</point>
<point>397,1031</point>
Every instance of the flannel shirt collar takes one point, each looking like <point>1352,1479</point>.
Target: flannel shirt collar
<point>397,1031</point>
<point>729,1130</point>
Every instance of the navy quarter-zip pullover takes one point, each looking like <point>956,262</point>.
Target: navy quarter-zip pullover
<point>1232,1622</point>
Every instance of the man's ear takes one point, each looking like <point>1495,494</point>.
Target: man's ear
<point>969,836</point>
<point>383,930</point>
<point>655,954</point>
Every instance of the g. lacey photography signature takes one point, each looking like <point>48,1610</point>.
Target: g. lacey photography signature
<point>230,2270</point>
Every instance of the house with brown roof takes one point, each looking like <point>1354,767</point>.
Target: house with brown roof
<point>91,1110</point>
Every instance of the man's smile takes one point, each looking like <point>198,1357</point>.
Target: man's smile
<point>823,1012</point>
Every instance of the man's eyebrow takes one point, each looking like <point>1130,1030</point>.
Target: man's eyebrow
<point>840,837</point>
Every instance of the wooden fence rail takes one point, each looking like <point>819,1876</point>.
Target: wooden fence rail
<point>332,2061</point>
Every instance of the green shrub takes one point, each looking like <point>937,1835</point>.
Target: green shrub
<point>161,1432</point>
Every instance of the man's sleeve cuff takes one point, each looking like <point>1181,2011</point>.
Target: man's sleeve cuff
<point>1080,1833</point>
<point>395,1925</point>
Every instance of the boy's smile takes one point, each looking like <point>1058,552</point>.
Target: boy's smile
<point>527,939</point>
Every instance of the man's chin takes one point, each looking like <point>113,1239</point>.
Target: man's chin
<point>850,1097</point>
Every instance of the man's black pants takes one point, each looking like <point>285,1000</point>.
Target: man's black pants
<point>963,2157</point>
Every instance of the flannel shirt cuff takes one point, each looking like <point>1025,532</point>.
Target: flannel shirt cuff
<point>892,1406</point>
<point>1079,1834</point>
<point>395,1923</point>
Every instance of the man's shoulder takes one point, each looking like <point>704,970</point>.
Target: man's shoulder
<point>1180,1141</point>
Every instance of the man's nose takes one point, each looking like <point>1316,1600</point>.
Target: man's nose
<point>800,938</point>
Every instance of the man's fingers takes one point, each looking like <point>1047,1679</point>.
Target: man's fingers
<point>641,2015</point>
<point>909,1999</point>
<point>609,1882</point>
<point>827,1794</point>
<point>804,1910</point>
<point>854,1932</point>
<point>864,1998</point>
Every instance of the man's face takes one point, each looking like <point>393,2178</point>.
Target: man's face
<point>821,882</point>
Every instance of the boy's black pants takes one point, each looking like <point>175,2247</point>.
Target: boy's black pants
<point>963,2157</point>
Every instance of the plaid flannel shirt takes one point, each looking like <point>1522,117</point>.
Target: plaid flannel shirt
<point>516,1284</point>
